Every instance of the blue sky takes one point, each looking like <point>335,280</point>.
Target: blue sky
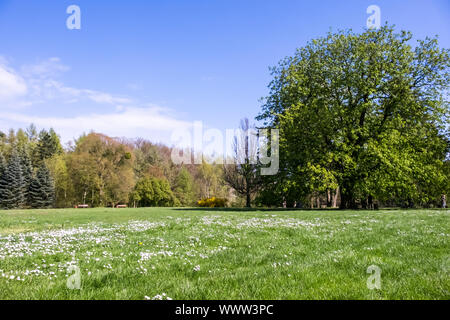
<point>145,68</point>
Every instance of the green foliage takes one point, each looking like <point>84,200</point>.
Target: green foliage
<point>277,190</point>
<point>365,112</point>
<point>148,160</point>
<point>48,145</point>
<point>184,188</point>
<point>42,192</point>
<point>64,191</point>
<point>101,170</point>
<point>152,192</point>
<point>2,163</point>
<point>209,181</point>
<point>11,184</point>
<point>27,175</point>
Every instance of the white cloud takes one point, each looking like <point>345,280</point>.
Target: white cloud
<point>102,97</point>
<point>45,69</point>
<point>134,86</point>
<point>38,85</point>
<point>153,123</point>
<point>11,84</point>
<point>52,89</point>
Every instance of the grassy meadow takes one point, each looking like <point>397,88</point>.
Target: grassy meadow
<point>171,253</point>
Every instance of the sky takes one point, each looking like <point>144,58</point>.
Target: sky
<point>147,68</point>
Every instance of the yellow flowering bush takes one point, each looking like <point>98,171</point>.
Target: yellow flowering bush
<point>212,202</point>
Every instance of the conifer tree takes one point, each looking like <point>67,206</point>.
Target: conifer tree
<point>2,169</point>
<point>2,164</point>
<point>47,146</point>
<point>27,174</point>
<point>42,192</point>
<point>11,184</point>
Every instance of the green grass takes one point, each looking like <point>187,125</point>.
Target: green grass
<point>216,254</point>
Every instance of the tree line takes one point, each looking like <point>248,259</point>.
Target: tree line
<point>37,172</point>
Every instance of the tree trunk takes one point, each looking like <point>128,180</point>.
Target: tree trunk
<point>328,198</point>
<point>335,196</point>
<point>248,200</point>
<point>347,197</point>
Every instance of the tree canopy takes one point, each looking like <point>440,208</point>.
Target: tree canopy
<point>365,113</point>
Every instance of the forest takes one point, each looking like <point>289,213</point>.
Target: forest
<point>37,172</point>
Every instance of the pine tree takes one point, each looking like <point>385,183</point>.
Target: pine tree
<point>11,184</point>
<point>27,173</point>
<point>2,164</point>
<point>2,169</point>
<point>42,191</point>
<point>35,192</point>
<point>48,145</point>
<point>48,187</point>
<point>31,132</point>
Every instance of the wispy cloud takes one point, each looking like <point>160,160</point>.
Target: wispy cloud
<point>150,122</point>
<point>12,85</point>
<point>39,85</point>
<point>208,78</point>
<point>51,67</point>
<point>52,89</point>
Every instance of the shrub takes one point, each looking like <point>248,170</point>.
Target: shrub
<point>153,192</point>
<point>212,202</point>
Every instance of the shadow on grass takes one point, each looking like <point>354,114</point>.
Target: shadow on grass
<point>252,209</point>
<point>296,209</point>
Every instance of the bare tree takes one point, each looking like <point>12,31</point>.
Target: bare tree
<point>243,172</point>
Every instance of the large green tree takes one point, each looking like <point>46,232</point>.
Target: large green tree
<point>101,169</point>
<point>365,112</point>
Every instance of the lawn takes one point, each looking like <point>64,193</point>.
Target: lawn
<point>217,254</point>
